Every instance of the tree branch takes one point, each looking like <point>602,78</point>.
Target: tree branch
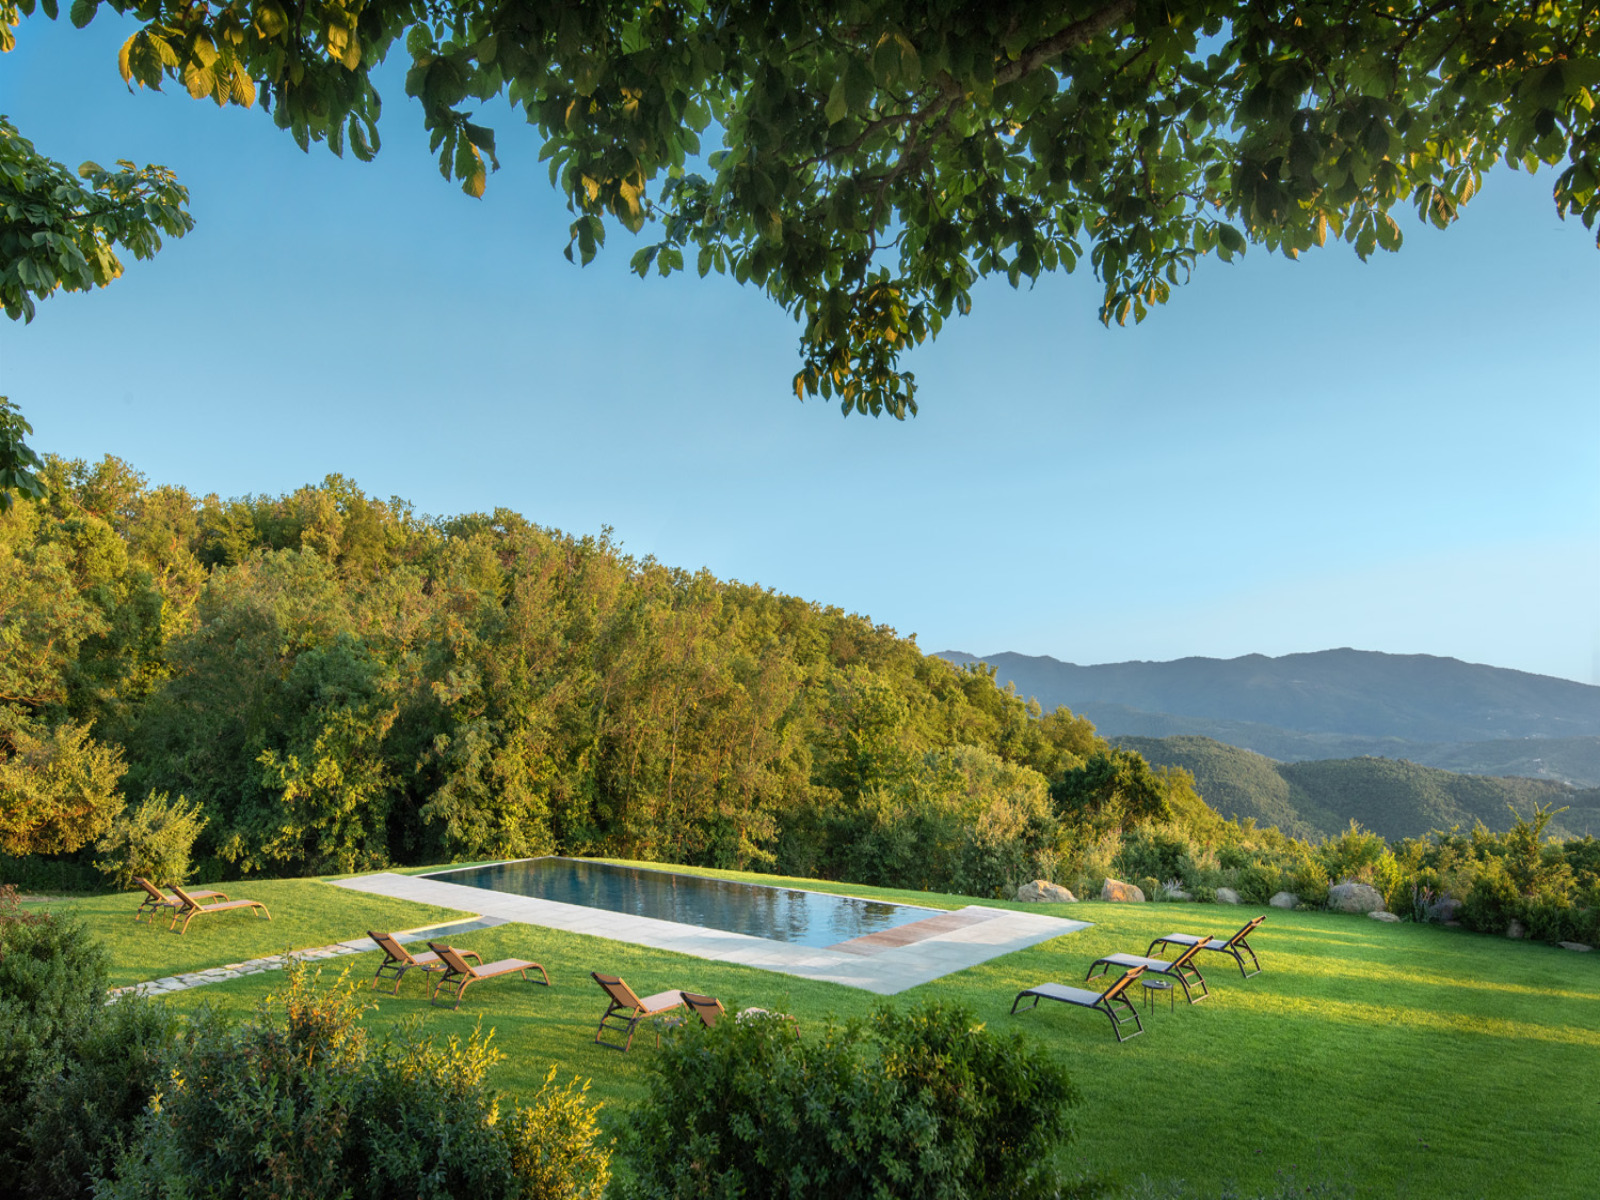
<point>1076,34</point>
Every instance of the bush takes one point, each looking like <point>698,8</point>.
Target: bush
<point>52,990</point>
<point>927,1102</point>
<point>152,841</point>
<point>293,1103</point>
<point>1257,884</point>
<point>79,1116</point>
<point>1309,881</point>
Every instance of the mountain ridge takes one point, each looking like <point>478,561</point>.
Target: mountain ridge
<point>1413,697</point>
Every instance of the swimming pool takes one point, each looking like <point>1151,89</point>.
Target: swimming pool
<point>779,913</point>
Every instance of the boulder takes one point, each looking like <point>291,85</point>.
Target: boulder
<point>1227,896</point>
<point>1444,911</point>
<point>1383,916</point>
<point>1354,898</point>
<point>1175,893</point>
<point>1284,900</point>
<point>1042,891</point>
<point>1516,929</point>
<point>1578,946</point>
<point>1115,889</point>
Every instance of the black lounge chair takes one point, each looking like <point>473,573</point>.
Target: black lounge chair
<point>1234,947</point>
<point>1181,968</point>
<point>1107,1001</point>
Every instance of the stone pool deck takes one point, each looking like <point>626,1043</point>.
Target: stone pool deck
<point>884,963</point>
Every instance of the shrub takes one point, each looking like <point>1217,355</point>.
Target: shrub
<point>927,1102</point>
<point>1257,884</point>
<point>153,841</point>
<point>79,1116</point>
<point>1309,881</point>
<point>294,1103</point>
<point>52,989</point>
<point>555,1144</point>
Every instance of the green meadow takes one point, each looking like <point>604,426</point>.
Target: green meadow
<point>1386,1060</point>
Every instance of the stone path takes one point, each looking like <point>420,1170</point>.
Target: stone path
<point>276,962</point>
<point>884,963</point>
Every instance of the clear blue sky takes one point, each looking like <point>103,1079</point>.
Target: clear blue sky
<point>1402,455</point>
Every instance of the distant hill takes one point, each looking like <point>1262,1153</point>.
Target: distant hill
<point>1397,799</point>
<point>1441,712</point>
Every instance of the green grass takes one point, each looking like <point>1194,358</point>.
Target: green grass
<point>1412,1061</point>
<point>305,913</point>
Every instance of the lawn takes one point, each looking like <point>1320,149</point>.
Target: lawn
<point>1407,1061</point>
<point>305,913</point>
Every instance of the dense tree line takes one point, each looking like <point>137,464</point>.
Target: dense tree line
<point>341,683</point>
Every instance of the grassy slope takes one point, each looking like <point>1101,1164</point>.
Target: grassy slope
<point>305,914</point>
<point>1419,1061</point>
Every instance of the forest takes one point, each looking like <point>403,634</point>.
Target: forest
<point>324,682</point>
<point>339,683</point>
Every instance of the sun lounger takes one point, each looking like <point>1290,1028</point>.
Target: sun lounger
<point>628,1010</point>
<point>1181,968</point>
<point>1110,1001</point>
<point>397,960</point>
<point>1235,947</point>
<point>461,974</point>
<point>708,1008</point>
<point>155,899</point>
<point>190,907</point>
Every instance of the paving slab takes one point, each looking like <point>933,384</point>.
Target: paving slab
<point>884,963</point>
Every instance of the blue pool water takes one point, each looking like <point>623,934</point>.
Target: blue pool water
<point>782,914</point>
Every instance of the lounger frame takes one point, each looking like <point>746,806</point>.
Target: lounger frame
<point>156,900</point>
<point>1234,947</point>
<point>461,974</point>
<point>192,908</point>
<point>397,960</point>
<point>626,1010</point>
<point>1181,968</point>
<point>1112,1001</point>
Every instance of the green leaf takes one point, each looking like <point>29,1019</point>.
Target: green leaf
<point>838,106</point>
<point>82,12</point>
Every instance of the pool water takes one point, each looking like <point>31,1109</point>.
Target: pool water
<point>779,913</point>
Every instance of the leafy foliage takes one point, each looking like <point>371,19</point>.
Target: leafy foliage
<point>866,163</point>
<point>19,465</point>
<point>152,842</point>
<point>926,1102</point>
<point>296,1103</point>
<point>52,991</point>
<point>80,1116</point>
<point>59,233</point>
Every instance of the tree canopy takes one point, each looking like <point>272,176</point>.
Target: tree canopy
<point>866,163</point>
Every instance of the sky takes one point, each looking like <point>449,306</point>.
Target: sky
<point>1401,455</point>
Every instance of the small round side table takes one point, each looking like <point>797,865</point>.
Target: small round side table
<point>1153,986</point>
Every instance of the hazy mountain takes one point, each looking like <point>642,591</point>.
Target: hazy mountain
<point>1336,704</point>
<point>1397,799</point>
<point>1355,692</point>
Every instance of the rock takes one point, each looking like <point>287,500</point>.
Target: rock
<point>1175,893</point>
<point>1578,946</point>
<point>1227,896</point>
<point>1042,891</point>
<point>1284,900</point>
<point>1354,898</point>
<point>1116,890</point>
<point>1383,916</point>
<point>1516,929</point>
<point>1444,911</point>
